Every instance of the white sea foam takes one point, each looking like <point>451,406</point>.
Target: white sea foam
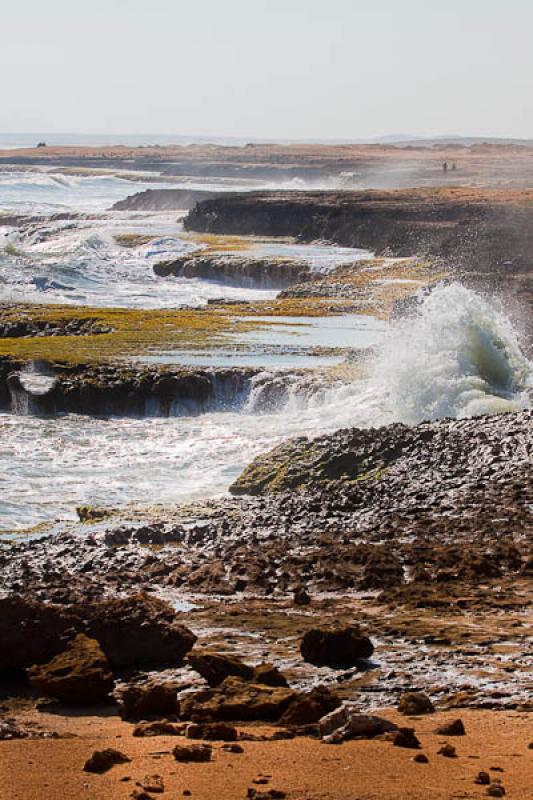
<point>457,357</point>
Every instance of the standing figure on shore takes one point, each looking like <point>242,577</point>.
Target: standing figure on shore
<point>445,167</point>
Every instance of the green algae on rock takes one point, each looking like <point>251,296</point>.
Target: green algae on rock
<point>300,462</point>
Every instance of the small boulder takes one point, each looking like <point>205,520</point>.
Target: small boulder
<point>405,737</point>
<point>338,648</point>
<point>195,753</point>
<point>216,667</point>
<point>102,760</point>
<point>483,778</point>
<point>455,728</point>
<point>413,704</point>
<point>448,751</point>
<point>496,790</point>
<point>212,731</point>
<point>346,723</point>
<point>421,758</point>
<point>153,784</point>
<point>80,675</point>
<point>147,700</point>
<point>233,748</point>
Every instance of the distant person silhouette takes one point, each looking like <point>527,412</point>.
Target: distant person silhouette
<point>445,167</point>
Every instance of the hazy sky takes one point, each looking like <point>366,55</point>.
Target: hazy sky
<point>268,68</point>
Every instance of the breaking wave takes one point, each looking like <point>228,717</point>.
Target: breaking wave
<point>457,357</point>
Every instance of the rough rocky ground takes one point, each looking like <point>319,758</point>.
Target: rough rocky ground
<point>483,235</point>
<point>422,534</point>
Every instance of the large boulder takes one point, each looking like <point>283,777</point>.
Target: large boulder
<point>139,630</point>
<point>154,698</point>
<point>237,700</point>
<point>33,632</point>
<point>243,701</point>
<point>216,667</point>
<point>338,648</point>
<point>80,675</point>
<point>132,631</point>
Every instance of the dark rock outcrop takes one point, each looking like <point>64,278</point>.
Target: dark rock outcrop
<point>132,631</point>
<point>476,229</point>
<point>337,647</point>
<point>140,630</point>
<point>248,272</point>
<point>163,200</point>
<point>80,675</point>
<point>113,389</point>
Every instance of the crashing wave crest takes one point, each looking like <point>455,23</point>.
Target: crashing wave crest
<point>458,357</point>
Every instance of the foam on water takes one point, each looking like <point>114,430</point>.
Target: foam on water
<point>81,262</point>
<point>457,356</point>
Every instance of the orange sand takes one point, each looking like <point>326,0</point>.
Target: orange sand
<point>304,768</point>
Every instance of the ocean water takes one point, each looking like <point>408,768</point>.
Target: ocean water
<point>80,261</point>
<point>457,357</point>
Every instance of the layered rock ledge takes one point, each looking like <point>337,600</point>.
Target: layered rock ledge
<point>112,389</point>
<point>478,231</point>
<point>250,272</point>
<point>162,200</point>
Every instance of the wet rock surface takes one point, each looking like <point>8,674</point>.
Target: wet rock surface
<point>107,389</point>
<point>246,271</point>
<point>430,554</point>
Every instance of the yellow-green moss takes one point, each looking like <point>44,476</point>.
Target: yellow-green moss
<point>133,332</point>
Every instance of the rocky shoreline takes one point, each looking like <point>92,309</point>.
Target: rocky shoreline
<point>348,589</point>
<point>361,570</point>
<point>430,536</point>
<point>121,390</point>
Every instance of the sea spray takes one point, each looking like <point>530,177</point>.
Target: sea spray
<point>458,356</point>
